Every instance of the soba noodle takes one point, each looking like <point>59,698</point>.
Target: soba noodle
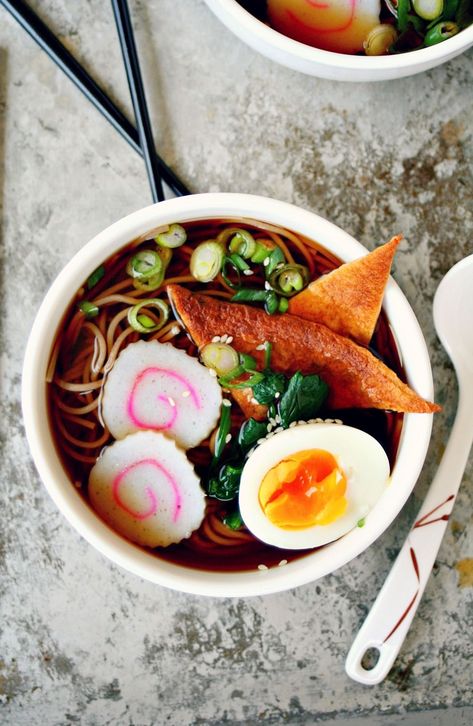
<point>85,351</point>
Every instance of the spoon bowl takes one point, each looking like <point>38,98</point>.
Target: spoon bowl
<point>389,619</point>
<point>453,316</point>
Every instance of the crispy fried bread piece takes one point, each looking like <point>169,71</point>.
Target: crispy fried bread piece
<point>356,378</point>
<point>348,300</point>
<point>244,398</point>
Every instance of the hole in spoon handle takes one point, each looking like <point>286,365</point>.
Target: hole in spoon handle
<point>362,654</point>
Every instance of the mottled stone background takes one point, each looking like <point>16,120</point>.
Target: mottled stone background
<point>84,642</point>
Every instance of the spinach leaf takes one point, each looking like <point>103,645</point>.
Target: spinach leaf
<point>272,383</point>
<point>225,486</point>
<point>302,399</point>
<point>250,432</point>
<point>464,14</point>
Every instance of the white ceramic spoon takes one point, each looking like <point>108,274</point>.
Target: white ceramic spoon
<point>391,615</point>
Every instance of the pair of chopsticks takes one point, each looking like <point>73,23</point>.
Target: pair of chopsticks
<point>140,139</point>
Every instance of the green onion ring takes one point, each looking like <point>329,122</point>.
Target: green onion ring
<point>134,315</point>
<point>144,264</point>
<point>289,279</point>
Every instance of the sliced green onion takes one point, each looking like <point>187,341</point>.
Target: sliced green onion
<point>403,7</point>
<point>239,262</point>
<point>255,378</point>
<point>150,283</point>
<point>140,323</point>
<point>380,39</point>
<point>95,277</point>
<point>222,432</point>
<point>235,372</point>
<point>440,32</point>
<point>221,357</point>
<point>428,9</point>
<point>144,265</point>
<point>283,305</point>
<point>242,243</point>
<point>276,257</point>
<point>227,261</point>
<point>361,522</point>
<point>262,251</point>
<point>249,295</point>
<point>89,309</point>
<point>289,279</point>
<point>268,349</point>
<point>233,520</point>
<point>271,303</point>
<point>248,362</point>
<point>165,255</point>
<point>174,237</point>
<point>206,261</point>
<point>146,321</point>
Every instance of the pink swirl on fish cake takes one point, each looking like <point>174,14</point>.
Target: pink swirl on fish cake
<point>323,6</point>
<point>153,507</point>
<point>130,406</point>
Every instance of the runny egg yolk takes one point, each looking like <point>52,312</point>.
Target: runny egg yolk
<point>305,489</point>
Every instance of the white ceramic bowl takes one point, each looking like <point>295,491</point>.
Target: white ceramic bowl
<point>326,64</point>
<point>414,439</point>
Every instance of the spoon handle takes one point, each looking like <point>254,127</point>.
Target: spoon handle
<point>391,615</point>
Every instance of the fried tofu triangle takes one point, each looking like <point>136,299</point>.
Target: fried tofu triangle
<point>348,300</point>
<point>356,378</point>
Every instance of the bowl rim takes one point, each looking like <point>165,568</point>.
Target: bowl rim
<point>330,59</point>
<point>415,436</point>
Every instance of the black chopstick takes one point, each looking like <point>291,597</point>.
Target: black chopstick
<point>46,39</point>
<point>138,97</point>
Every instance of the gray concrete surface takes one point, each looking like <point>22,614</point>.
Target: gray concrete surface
<point>82,641</point>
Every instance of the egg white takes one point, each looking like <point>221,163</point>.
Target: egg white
<point>362,458</point>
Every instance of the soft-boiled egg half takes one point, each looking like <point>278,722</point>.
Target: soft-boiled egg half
<point>309,485</point>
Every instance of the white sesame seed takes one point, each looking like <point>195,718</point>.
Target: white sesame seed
<point>262,346</point>
<point>224,338</point>
<point>262,567</point>
<point>291,425</point>
<point>171,401</point>
<point>226,402</point>
<point>282,563</point>
<point>253,400</point>
<point>248,272</point>
<point>301,423</point>
<point>186,394</point>
<point>260,441</point>
<point>271,433</point>
<point>267,286</point>
<point>266,261</point>
<point>229,339</point>
<point>280,266</point>
<point>212,372</point>
<point>338,421</point>
<point>277,419</point>
<point>216,339</point>
<point>277,394</point>
<point>272,421</point>
<point>279,428</point>
<point>319,420</point>
<point>329,420</point>
<point>228,438</point>
<point>269,427</point>
<point>175,330</point>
